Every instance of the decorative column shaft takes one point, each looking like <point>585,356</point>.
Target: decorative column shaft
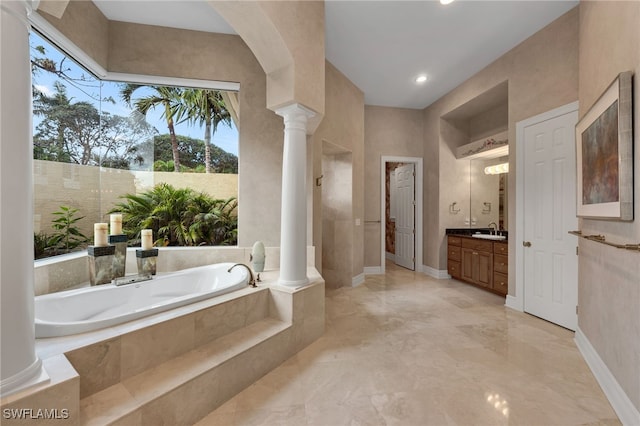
<point>293,227</point>
<point>19,365</point>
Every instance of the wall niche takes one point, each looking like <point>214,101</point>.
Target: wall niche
<point>477,134</point>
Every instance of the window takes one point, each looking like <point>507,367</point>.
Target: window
<point>99,146</point>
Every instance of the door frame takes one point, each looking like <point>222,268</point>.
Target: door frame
<point>417,161</point>
<point>516,301</point>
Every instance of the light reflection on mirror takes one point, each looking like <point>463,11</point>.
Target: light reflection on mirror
<point>488,194</point>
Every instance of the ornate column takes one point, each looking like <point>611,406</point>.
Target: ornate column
<point>293,227</point>
<point>19,365</point>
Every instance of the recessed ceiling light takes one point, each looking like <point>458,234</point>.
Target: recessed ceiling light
<point>446,1</point>
<point>421,78</point>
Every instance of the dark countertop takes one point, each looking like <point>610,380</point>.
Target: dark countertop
<point>471,231</point>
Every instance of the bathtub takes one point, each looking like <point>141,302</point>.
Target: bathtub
<point>92,308</point>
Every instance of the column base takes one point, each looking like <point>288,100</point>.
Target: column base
<point>293,283</point>
<point>30,376</point>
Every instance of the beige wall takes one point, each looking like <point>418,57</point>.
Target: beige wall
<point>337,219</point>
<point>343,128</point>
<point>387,132</point>
<point>609,278</point>
<point>542,74</point>
<point>287,38</point>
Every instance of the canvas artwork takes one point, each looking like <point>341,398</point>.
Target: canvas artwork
<point>604,151</point>
<point>600,159</point>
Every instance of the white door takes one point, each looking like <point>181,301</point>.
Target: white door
<point>550,261</point>
<point>405,216</point>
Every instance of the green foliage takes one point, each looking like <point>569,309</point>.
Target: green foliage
<point>192,155</point>
<point>76,132</point>
<point>166,98</point>
<point>67,235</point>
<point>204,107</point>
<point>43,243</point>
<point>179,216</point>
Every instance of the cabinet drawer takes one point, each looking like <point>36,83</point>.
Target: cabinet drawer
<point>453,268</point>
<point>501,263</point>
<point>501,248</point>
<point>500,283</point>
<point>454,253</point>
<point>454,241</point>
<point>478,245</point>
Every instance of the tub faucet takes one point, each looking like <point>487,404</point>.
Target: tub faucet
<point>494,228</point>
<point>252,281</point>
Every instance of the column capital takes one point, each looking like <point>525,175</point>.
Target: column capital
<point>295,115</point>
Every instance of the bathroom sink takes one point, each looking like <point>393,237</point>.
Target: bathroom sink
<point>489,237</point>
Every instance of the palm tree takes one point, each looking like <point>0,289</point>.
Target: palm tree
<point>203,106</point>
<point>168,98</point>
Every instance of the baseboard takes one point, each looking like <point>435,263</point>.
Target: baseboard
<point>513,303</point>
<point>624,408</point>
<point>373,270</point>
<point>390,256</point>
<point>357,280</point>
<point>435,273</point>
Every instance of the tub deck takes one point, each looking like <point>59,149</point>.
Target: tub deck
<point>143,371</point>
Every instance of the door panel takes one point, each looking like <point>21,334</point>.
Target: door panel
<point>405,216</point>
<point>550,263</point>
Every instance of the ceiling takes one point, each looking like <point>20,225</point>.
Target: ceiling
<point>382,46</point>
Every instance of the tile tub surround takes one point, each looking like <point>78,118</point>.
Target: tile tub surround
<point>133,371</point>
<point>406,349</point>
<point>72,270</point>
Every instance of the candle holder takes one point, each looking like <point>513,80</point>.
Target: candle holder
<point>120,255</point>
<point>100,264</point>
<point>147,260</point>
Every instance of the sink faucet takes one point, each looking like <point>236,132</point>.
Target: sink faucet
<point>494,228</point>
<point>252,281</point>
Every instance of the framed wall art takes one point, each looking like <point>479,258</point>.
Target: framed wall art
<point>604,148</point>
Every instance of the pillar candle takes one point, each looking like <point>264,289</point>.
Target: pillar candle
<point>100,234</point>
<point>116,224</point>
<point>147,239</point>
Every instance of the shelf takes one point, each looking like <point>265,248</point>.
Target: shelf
<point>601,239</point>
<point>491,147</point>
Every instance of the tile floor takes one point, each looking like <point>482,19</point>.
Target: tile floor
<point>405,349</point>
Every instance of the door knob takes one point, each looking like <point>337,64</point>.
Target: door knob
<point>526,243</point>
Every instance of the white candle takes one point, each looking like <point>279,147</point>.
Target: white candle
<point>147,239</point>
<point>100,234</point>
<point>116,224</point>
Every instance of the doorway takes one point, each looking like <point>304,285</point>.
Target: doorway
<point>546,261</point>
<point>407,194</point>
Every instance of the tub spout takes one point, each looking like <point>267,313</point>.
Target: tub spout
<point>252,281</point>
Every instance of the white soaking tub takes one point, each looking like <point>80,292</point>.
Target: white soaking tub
<point>87,309</point>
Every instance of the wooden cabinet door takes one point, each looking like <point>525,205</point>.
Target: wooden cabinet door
<point>468,264</point>
<point>485,269</point>
<point>477,267</point>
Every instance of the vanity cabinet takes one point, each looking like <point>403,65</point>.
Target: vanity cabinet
<point>480,262</point>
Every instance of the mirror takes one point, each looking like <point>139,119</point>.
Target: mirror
<point>488,193</point>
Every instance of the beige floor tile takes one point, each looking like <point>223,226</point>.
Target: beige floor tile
<point>406,349</point>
